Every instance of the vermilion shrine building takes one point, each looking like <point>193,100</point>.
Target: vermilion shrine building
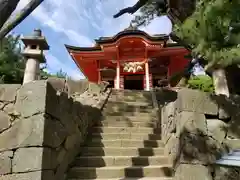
<point>132,59</point>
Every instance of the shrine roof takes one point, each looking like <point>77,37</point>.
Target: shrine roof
<point>130,31</point>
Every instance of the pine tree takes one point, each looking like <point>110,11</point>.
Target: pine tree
<point>12,64</point>
<point>212,31</point>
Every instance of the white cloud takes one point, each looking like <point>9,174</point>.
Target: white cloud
<point>54,65</point>
<point>81,21</point>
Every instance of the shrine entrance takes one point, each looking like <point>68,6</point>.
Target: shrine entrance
<point>134,82</point>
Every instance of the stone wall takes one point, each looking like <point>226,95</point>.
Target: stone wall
<point>42,128</point>
<point>195,136</point>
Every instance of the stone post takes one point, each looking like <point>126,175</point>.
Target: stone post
<point>118,75</point>
<point>33,52</point>
<point>147,76</point>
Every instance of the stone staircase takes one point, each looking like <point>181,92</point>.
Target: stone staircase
<point>126,144</point>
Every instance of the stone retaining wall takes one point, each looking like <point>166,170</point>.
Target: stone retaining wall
<point>42,128</point>
<point>195,136</point>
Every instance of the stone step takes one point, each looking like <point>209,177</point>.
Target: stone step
<point>127,108</point>
<point>126,130</point>
<point>120,172</point>
<point>125,124</point>
<point>130,99</point>
<point>109,112</point>
<point>124,143</point>
<point>99,161</point>
<point>136,136</point>
<point>110,151</point>
<point>130,103</point>
<point>144,178</point>
<point>142,117</point>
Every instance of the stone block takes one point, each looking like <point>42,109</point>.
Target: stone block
<point>31,95</point>
<point>199,149</point>
<point>232,144</point>
<point>60,154</point>
<point>32,159</point>
<point>8,92</point>
<point>196,101</point>
<point>38,175</point>
<point>192,172</point>
<point>9,108</point>
<point>6,162</point>
<point>191,122</point>
<point>172,148</point>
<point>68,159</point>
<point>78,87</point>
<point>234,127</point>
<point>58,84</point>
<point>217,129</point>
<point>33,131</point>
<point>72,140</point>
<point>4,121</point>
<point>227,173</point>
<point>94,88</point>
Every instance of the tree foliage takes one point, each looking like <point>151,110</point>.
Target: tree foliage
<point>203,83</point>
<point>12,64</point>
<point>211,31</point>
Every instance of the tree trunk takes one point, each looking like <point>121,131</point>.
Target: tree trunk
<point>27,10</point>
<point>6,9</point>
<point>221,89</point>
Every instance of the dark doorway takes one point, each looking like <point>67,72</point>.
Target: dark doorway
<point>134,82</point>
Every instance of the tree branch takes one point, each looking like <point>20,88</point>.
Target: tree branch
<point>26,11</point>
<point>132,9</point>
<point>6,9</point>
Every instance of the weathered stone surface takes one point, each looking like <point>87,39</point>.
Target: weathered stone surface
<point>234,127</point>
<point>77,86</point>
<point>61,153</point>
<point>6,162</point>
<point>41,161</point>
<point>217,129</point>
<point>172,149</point>
<point>33,131</point>
<point>58,84</point>
<point>2,105</point>
<point>199,149</point>
<point>8,92</point>
<point>191,122</point>
<point>9,108</point>
<point>4,121</point>
<point>68,158</point>
<point>192,172</point>
<point>196,101</point>
<point>232,143</point>
<point>31,95</point>
<point>38,175</point>
<point>227,173</point>
<point>72,140</point>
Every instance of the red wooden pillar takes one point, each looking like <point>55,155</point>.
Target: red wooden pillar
<point>121,82</point>
<point>150,82</point>
<point>147,87</point>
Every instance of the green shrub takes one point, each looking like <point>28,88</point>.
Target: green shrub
<point>203,83</point>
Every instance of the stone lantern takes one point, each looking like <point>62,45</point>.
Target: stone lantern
<point>33,52</point>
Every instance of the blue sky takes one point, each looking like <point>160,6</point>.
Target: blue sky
<point>78,23</point>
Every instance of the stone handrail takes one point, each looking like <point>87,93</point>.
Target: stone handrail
<point>42,128</point>
<point>193,134</point>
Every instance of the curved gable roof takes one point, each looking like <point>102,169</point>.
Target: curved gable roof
<point>127,32</point>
